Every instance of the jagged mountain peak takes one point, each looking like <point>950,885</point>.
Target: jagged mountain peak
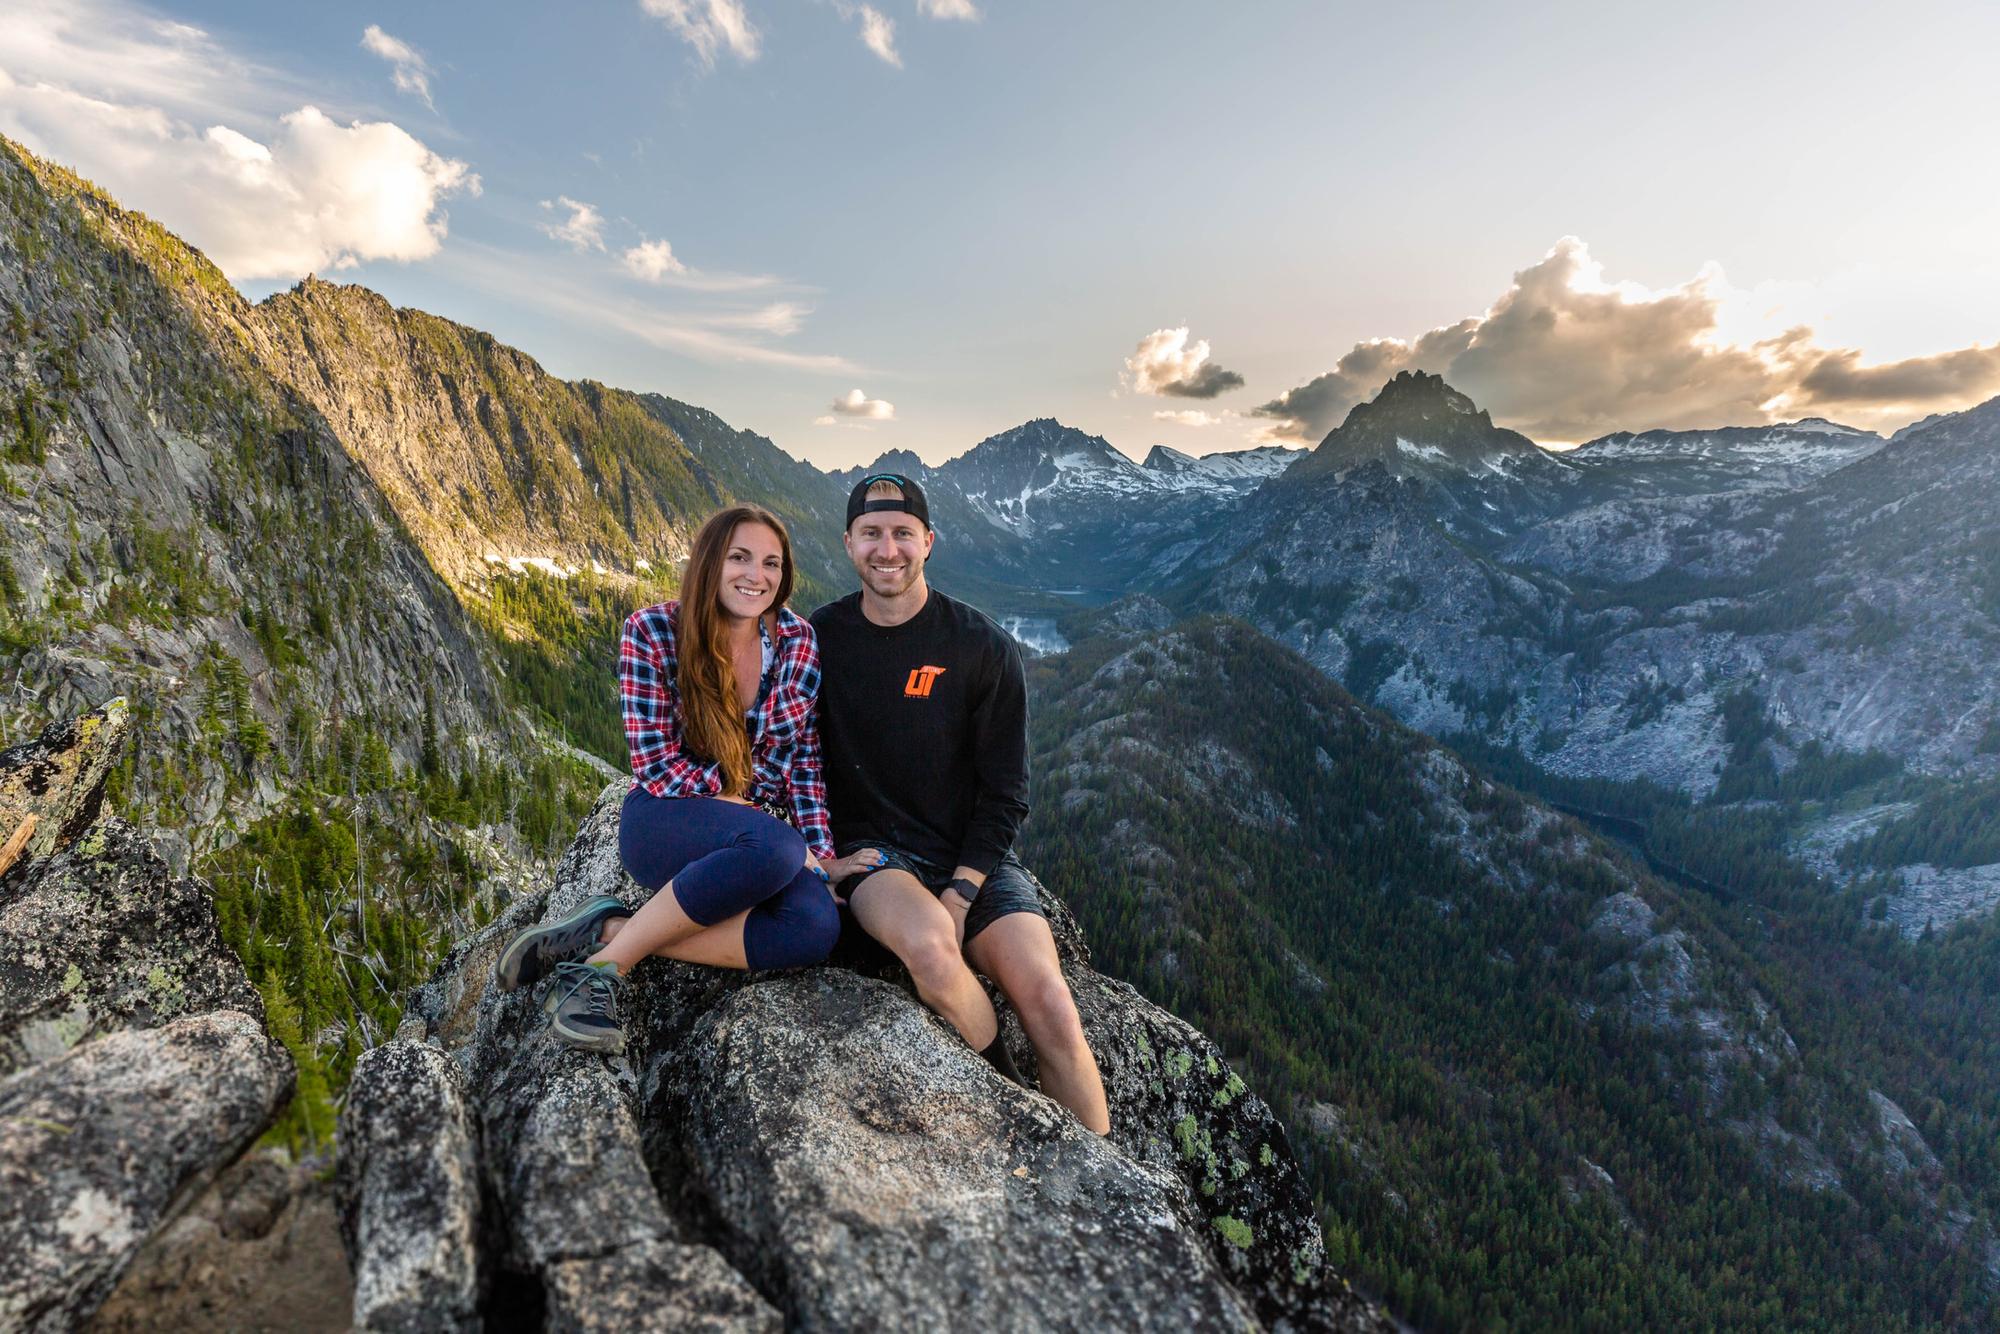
<point>1420,393</point>
<point>1419,426</point>
<point>904,461</point>
<point>1065,447</point>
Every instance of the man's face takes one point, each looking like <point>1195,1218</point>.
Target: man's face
<point>889,549</point>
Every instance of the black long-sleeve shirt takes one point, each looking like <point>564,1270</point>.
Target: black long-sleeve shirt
<point>924,727</point>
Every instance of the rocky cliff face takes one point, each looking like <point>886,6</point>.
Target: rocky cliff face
<point>486,457</point>
<point>134,1062</point>
<point>182,529</point>
<point>810,1149</point>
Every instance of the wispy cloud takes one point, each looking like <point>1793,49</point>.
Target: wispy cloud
<point>1166,362</point>
<point>408,68</point>
<point>717,334</point>
<point>1565,355</point>
<point>877,30</point>
<point>582,230</point>
<point>948,9</point>
<point>1192,417</point>
<point>878,34</point>
<point>710,27</point>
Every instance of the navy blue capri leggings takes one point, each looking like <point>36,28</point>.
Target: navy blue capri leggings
<point>724,858</point>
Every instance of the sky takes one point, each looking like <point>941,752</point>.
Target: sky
<point>911,224</point>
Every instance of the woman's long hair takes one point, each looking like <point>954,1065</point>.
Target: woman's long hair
<point>711,715</point>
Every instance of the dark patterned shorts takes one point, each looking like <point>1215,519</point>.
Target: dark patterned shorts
<point>1008,890</point>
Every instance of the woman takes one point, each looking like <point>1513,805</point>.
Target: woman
<point>719,691</point>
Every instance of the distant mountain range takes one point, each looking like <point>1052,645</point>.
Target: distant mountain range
<point>362,568</point>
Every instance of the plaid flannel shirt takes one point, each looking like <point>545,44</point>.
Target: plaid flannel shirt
<point>784,729</point>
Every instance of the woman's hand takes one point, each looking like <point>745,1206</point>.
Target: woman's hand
<point>859,862</point>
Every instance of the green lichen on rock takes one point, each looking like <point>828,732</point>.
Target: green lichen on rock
<point>1146,1056</point>
<point>72,979</point>
<point>1197,1146</point>
<point>1230,1091</point>
<point>1189,1134</point>
<point>1213,1066</point>
<point>168,993</point>
<point>1180,1063</point>
<point>1265,1157</point>
<point>1234,1231</point>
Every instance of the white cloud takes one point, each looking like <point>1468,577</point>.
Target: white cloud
<point>653,261</point>
<point>948,9</point>
<point>826,421</point>
<point>878,34</point>
<point>411,73</point>
<point>582,230</point>
<point>124,98</point>
<point>1565,355</point>
<point>709,26</point>
<point>854,403</point>
<point>878,30</point>
<point>1166,363</point>
<point>1191,417</point>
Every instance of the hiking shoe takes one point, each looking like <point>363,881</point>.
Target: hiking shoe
<point>583,1006</point>
<point>536,951</point>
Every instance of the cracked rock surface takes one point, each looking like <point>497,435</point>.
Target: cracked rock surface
<point>815,1150</point>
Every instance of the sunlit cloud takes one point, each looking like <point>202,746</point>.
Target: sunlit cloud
<point>877,30</point>
<point>653,261</point>
<point>134,103</point>
<point>1565,355</point>
<point>1192,417</point>
<point>1166,362</point>
<point>948,9</point>
<point>878,34</point>
<point>854,403</point>
<point>408,68</point>
<point>583,229</point>
<point>709,26</point>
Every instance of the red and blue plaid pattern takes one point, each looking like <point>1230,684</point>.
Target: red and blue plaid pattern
<point>784,732</point>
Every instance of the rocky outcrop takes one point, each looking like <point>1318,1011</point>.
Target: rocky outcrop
<point>409,1192</point>
<point>134,1063</point>
<point>815,1149</point>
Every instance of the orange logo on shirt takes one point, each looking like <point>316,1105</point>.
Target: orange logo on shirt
<point>921,681</point>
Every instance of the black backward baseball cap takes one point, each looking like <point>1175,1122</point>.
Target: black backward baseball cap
<point>911,502</point>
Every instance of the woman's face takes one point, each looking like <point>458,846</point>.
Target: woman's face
<point>752,568</point>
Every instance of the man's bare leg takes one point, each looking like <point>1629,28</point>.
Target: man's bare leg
<point>895,908</point>
<point>1019,953</point>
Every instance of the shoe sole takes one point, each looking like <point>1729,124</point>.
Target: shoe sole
<point>508,971</point>
<point>612,1043</point>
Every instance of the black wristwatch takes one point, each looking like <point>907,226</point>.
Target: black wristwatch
<point>966,889</point>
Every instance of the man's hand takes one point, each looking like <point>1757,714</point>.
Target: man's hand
<point>958,908</point>
<point>956,903</point>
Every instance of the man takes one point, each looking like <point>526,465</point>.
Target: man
<point>924,724</point>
